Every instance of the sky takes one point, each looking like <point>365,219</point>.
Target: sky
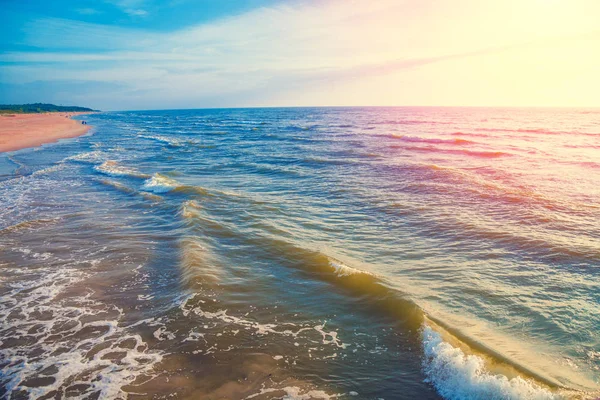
<point>150,54</point>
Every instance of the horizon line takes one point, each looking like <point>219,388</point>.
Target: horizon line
<point>371,106</point>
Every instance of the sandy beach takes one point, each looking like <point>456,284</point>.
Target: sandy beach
<point>19,131</point>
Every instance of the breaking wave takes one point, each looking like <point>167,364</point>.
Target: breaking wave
<point>112,168</point>
<point>457,376</point>
<point>159,183</point>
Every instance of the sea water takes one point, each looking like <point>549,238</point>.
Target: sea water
<point>298,253</point>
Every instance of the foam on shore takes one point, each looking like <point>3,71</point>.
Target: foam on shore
<point>55,341</point>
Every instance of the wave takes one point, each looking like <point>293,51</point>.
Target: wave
<point>372,293</point>
<point>480,154</point>
<point>31,224</point>
<point>49,170</point>
<point>357,283</point>
<point>417,139</point>
<point>22,168</point>
<point>170,141</point>
<point>410,122</point>
<point>464,152</point>
<point>538,131</point>
<point>342,270</point>
<point>504,192</point>
<point>375,291</point>
<point>129,190</point>
<point>470,134</point>
<point>198,266</point>
<point>375,295</point>
<point>159,183</point>
<point>112,168</point>
<point>316,160</point>
<point>90,157</point>
<point>456,375</point>
<point>267,169</point>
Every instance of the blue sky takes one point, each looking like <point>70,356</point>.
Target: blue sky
<point>150,54</point>
<point>153,15</point>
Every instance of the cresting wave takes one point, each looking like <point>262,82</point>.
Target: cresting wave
<point>170,141</point>
<point>160,183</point>
<point>163,139</point>
<point>112,168</point>
<point>448,368</point>
<point>382,299</point>
<point>374,292</point>
<point>457,376</point>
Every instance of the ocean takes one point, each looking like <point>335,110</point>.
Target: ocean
<point>300,253</point>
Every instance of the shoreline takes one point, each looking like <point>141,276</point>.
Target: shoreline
<point>22,131</point>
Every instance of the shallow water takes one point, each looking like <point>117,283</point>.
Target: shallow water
<point>310,253</point>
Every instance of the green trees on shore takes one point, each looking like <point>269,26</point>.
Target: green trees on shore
<point>38,108</point>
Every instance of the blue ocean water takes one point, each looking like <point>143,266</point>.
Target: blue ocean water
<point>305,252</point>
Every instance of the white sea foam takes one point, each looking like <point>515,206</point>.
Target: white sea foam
<point>163,334</point>
<point>458,376</point>
<point>112,168</point>
<point>90,157</point>
<point>294,393</point>
<point>333,339</point>
<point>161,139</point>
<point>342,270</point>
<point>160,184</point>
<point>48,170</point>
<point>66,342</point>
<point>328,338</point>
<point>171,141</point>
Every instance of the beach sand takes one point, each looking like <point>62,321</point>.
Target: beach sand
<point>19,131</point>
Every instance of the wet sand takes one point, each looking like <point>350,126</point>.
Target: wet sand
<point>20,131</point>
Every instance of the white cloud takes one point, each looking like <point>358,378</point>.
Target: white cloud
<point>334,51</point>
<point>87,11</point>
<point>133,8</point>
<point>137,12</point>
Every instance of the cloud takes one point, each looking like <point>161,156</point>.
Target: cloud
<point>136,12</point>
<point>133,8</point>
<point>87,11</point>
<point>287,51</point>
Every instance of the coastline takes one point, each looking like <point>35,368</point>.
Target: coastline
<point>21,131</point>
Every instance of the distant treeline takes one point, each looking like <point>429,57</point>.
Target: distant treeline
<point>38,108</point>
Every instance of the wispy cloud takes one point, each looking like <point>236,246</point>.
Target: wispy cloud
<point>286,52</point>
<point>87,11</point>
<point>133,8</point>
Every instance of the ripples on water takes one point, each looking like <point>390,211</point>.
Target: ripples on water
<point>308,253</point>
